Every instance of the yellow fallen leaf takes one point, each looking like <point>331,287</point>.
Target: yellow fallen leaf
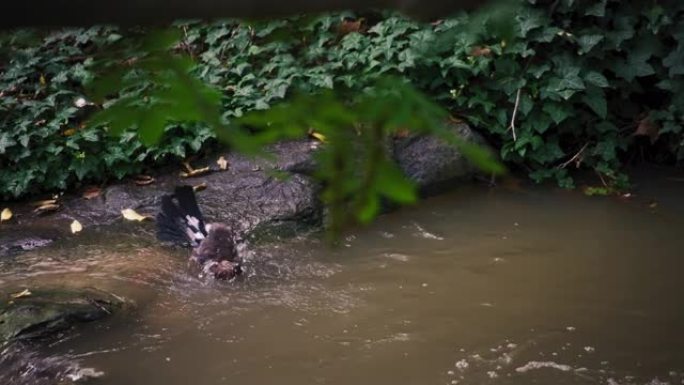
<point>143,180</point>
<point>69,132</point>
<point>222,163</point>
<point>42,80</point>
<point>76,226</point>
<point>132,215</point>
<point>46,208</point>
<point>456,120</point>
<point>318,136</point>
<point>6,215</point>
<point>199,187</point>
<point>195,172</point>
<point>21,294</point>
<point>44,202</point>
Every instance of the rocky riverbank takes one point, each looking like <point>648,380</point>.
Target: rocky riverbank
<point>251,194</point>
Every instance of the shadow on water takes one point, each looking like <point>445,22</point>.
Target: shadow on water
<point>475,287</point>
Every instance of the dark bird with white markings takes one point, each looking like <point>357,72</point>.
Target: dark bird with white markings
<point>215,246</point>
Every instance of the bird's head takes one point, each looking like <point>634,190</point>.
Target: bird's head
<point>222,269</point>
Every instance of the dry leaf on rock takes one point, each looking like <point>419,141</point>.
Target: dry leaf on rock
<point>318,136</point>
<point>92,192</point>
<point>76,227</point>
<point>195,172</point>
<point>222,163</point>
<point>21,294</point>
<point>143,180</point>
<point>6,215</point>
<point>199,187</point>
<point>44,202</point>
<point>47,208</point>
<point>132,215</point>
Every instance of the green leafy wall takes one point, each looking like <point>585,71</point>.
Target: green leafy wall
<point>585,80</point>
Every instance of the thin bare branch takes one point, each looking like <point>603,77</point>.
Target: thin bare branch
<point>581,150</point>
<point>515,114</point>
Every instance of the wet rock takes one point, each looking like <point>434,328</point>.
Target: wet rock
<point>17,239</point>
<point>433,164</point>
<point>258,204</point>
<point>45,312</point>
<point>252,194</point>
<point>22,364</point>
<point>16,246</point>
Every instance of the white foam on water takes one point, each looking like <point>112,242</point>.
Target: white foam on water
<point>81,374</point>
<point>426,234</point>
<point>535,365</point>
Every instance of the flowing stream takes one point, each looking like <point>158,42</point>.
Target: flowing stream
<point>479,286</point>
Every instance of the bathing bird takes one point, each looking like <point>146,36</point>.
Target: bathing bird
<point>215,246</point>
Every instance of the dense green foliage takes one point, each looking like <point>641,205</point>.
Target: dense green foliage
<point>577,78</point>
<point>44,142</point>
<point>584,79</point>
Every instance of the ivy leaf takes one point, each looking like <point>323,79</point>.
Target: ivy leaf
<point>596,100</point>
<point>90,136</point>
<point>538,70</point>
<point>529,19</point>
<point>631,68</point>
<point>587,42</point>
<point>598,9</point>
<point>636,64</point>
<point>557,111</point>
<point>6,142</point>
<point>549,152</point>
<point>596,78</point>
<point>675,61</point>
<point>539,122</point>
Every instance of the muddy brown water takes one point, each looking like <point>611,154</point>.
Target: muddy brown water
<point>475,287</point>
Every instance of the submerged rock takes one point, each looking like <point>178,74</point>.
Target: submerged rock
<point>44,312</point>
<point>21,364</point>
<point>15,245</point>
<point>15,238</point>
<point>27,321</point>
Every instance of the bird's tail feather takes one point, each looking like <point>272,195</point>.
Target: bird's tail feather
<point>180,219</point>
